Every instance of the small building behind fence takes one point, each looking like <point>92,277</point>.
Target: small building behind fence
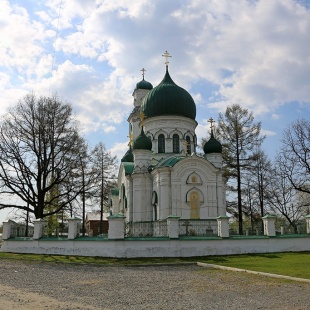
<point>93,223</point>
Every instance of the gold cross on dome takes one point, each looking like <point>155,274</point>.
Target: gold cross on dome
<point>143,72</point>
<point>211,121</point>
<point>185,143</point>
<point>130,138</point>
<point>142,118</point>
<point>167,55</point>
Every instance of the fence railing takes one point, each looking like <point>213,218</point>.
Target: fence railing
<point>287,229</point>
<point>147,229</point>
<point>206,228</point>
<point>173,227</point>
<point>19,230</point>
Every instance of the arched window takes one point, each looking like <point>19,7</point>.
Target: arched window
<point>188,140</point>
<point>155,212</point>
<point>154,203</point>
<point>176,143</point>
<point>161,143</point>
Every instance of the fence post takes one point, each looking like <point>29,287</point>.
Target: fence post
<point>269,225</point>
<point>38,226</point>
<point>173,226</point>
<point>73,227</point>
<point>308,223</point>
<point>223,226</point>
<point>7,229</point>
<point>116,226</point>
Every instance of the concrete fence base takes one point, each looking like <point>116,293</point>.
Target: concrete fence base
<point>157,248</point>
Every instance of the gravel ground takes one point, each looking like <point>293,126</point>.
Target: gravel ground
<point>32,285</point>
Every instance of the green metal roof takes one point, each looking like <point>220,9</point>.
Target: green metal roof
<point>168,99</point>
<point>144,85</point>
<point>142,142</point>
<point>212,146</point>
<point>169,162</point>
<point>128,157</point>
<point>128,168</point>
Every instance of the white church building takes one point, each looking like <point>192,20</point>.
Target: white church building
<point>161,175</point>
<point>170,201</point>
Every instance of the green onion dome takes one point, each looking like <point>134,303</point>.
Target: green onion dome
<point>142,142</point>
<point>168,98</point>
<point>144,85</point>
<point>212,146</point>
<point>128,157</point>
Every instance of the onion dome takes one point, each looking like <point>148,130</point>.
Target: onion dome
<point>142,142</point>
<point>168,98</point>
<point>144,85</point>
<point>212,146</point>
<point>128,157</point>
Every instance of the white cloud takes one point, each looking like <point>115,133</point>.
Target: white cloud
<point>119,149</point>
<point>108,129</point>
<point>275,116</point>
<point>251,52</point>
<point>267,133</point>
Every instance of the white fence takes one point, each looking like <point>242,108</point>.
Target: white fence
<point>181,239</point>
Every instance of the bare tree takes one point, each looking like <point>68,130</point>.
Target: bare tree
<point>261,172</point>
<point>295,155</point>
<point>284,198</point>
<point>89,179</point>
<point>39,145</point>
<point>240,137</point>
<point>103,166</point>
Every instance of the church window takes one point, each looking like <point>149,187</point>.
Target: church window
<point>161,143</point>
<point>176,143</point>
<point>188,144</point>
<point>155,212</point>
<point>154,203</point>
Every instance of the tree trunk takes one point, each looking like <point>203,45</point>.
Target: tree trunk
<point>240,220</point>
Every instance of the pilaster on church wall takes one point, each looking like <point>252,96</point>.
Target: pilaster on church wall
<point>148,197</point>
<point>142,191</point>
<point>164,194</point>
<point>177,201</point>
<point>129,199</point>
<point>169,147</point>
<point>137,182</point>
<point>221,195</point>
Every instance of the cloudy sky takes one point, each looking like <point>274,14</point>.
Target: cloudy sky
<point>90,52</point>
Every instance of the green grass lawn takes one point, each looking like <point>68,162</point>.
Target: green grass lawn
<point>289,264</point>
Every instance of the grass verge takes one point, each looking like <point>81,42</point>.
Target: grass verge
<point>289,264</point>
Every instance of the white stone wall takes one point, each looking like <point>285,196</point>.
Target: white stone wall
<point>209,186</point>
<point>158,248</point>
